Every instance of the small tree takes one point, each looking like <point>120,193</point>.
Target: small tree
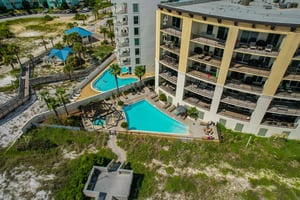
<point>115,70</point>
<point>109,23</point>
<point>193,113</point>
<point>61,93</point>
<point>111,35</point>
<point>140,71</point>
<point>124,125</point>
<point>70,65</point>
<point>162,97</point>
<point>104,31</point>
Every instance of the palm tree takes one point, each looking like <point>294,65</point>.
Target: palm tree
<point>44,95</point>
<point>78,48</point>
<point>95,12</point>
<point>115,70</point>
<point>111,35</point>
<point>73,38</point>
<point>9,60</point>
<point>109,23</point>
<point>104,31</point>
<point>44,42</point>
<point>51,38</point>
<point>61,93</point>
<point>69,66</point>
<point>14,49</point>
<point>53,103</point>
<point>139,71</point>
<point>30,57</point>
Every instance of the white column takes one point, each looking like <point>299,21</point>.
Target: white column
<point>156,75</point>
<point>179,87</point>
<point>262,105</point>
<point>215,103</point>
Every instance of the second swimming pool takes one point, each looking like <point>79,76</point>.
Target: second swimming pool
<point>106,82</point>
<point>145,117</point>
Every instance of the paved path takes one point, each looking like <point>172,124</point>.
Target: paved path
<point>112,143</point>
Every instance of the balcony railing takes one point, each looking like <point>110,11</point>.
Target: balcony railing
<point>208,39</point>
<point>170,46</point>
<point>247,69</point>
<point>203,75</point>
<point>252,48</point>
<point>124,54</point>
<point>123,44</point>
<point>234,114</point>
<point>236,84</point>
<point>242,102</point>
<point>169,77</point>
<point>169,88</point>
<point>293,94</point>
<point>276,123</point>
<point>292,75</point>
<point>125,63</point>
<point>285,110</point>
<point>172,31</point>
<point>122,34</point>
<point>209,60</point>
<point>169,61</point>
<point>201,91</point>
<point>197,102</point>
<point>119,23</point>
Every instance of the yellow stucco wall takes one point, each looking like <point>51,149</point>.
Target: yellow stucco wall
<point>184,46</point>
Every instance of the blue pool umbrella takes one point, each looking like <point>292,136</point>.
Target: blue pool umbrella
<point>81,31</point>
<point>61,54</point>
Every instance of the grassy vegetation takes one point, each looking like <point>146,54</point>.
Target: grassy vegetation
<point>44,150</point>
<point>267,169</point>
<point>266,159</point>
<point>102,50</point>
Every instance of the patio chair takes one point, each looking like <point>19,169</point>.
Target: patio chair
<point>269,48</point>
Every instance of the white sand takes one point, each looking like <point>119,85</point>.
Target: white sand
<point>6,80</point>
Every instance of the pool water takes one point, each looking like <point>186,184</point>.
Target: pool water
<point>107,82</point>
<point>99,122</point>
<point>145,117</point>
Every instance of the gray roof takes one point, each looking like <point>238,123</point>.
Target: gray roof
<point>255,12</point>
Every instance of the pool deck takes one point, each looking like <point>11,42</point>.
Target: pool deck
<point>196,127</point>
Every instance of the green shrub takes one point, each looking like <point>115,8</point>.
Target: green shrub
<point>170,170</point>
<point>193,113</point>
<point>124,125</point>
<point>162,97</point>
<point>120,103</point>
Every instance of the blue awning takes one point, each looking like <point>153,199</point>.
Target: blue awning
<point>61,54</point>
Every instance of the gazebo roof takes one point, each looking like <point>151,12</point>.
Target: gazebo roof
<point>61,54</point>
<point>81,31</point>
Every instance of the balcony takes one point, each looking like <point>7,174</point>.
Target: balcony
<point>206,59</point>
<point>171,47</point>
<point>122,34</point>
<point>288,94</point>
<point>172,31</point>
<point>202,75</point>
<point>124,54</point>
<point>169,88</point>
<point>208,40</point>
<point>252,48</point>
<point>209,93</point>
<point>197,102</point>
<point>169,77</point>
<point>121,23</point>
<point>248,69</point>
<point>234,112</point>
<point>239,85</point>
<point>123,44</point>
<point>240,101</point>
<point>169,62</point>
<point>279,124</point>
<point>277,120</point>
<point>284,110</point>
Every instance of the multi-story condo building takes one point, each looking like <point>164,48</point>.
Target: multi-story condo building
<point>237,62</point>
<point>134,24</point>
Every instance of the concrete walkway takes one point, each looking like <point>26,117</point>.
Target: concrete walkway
<point>112,143</point>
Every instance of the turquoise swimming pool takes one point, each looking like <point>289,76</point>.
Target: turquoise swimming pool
<point>143,116</point>
<point>106,82</point>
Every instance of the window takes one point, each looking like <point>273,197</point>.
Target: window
<point>135,19</point>
<point>209,29</point>
<point>136,31</point>
<point>136,41</point>
<point>137,61</point>
<point>137,51</point>
<point>176,22</point>
<point>135,7</point>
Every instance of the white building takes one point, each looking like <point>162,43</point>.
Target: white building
<point>134,23</point>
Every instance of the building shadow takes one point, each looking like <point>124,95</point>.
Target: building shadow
<point>136,183</point>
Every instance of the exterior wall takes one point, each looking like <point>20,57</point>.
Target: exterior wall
<point>270,80</point>
<point>17,4</point>
<point>147,26</point>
